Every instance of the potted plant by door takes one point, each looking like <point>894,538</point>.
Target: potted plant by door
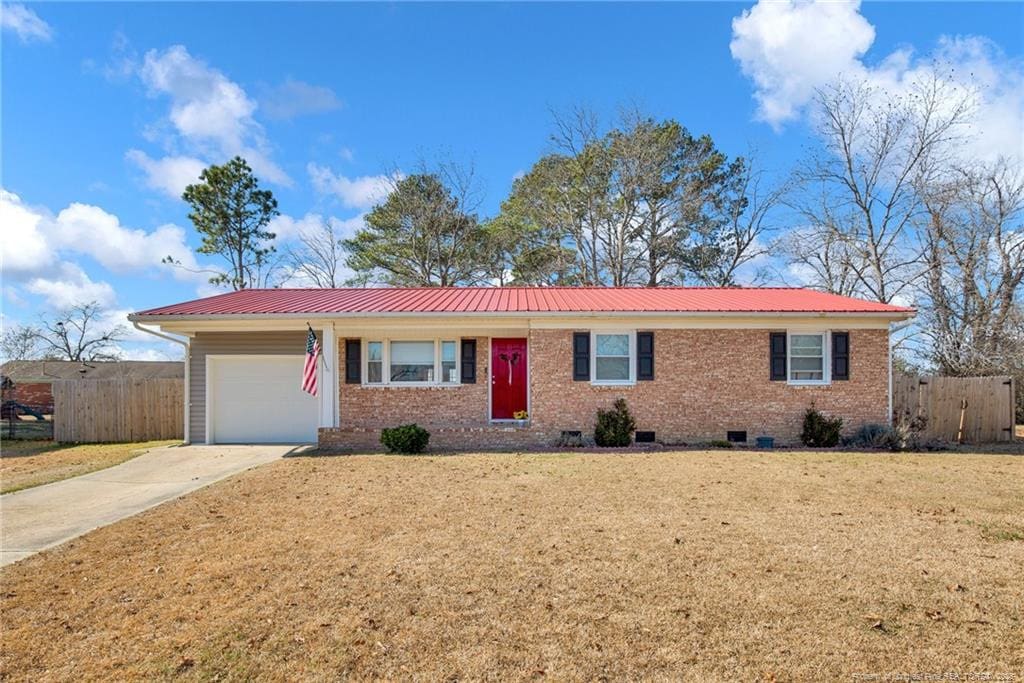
<point>521,417</point>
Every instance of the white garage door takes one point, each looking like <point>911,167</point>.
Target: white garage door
<point>258,399</point>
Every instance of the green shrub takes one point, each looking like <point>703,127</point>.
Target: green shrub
<point>820,431</point>
<point>719,443</point>
<point>405,439</point>
<point>614,427</point>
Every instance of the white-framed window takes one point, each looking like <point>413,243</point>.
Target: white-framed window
<point>410,362</point>
<point>374,362</point>
<point>613,357</point>
<point>807,357</point>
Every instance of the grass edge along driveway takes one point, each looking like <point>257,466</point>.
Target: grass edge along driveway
<point>25,464</point>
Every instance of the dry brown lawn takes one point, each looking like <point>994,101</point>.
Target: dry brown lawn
<point>699,565</point>
<point>30,463</point>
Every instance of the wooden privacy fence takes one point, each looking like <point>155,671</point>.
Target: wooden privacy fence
<point>988,414</point>
<point>118,409</point>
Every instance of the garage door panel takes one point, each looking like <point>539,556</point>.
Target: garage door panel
<point>260,400</point>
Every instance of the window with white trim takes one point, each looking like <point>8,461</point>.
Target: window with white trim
<point>411,361</point>
<point>807,355</point>
<point>449,362</point>
<point>613,357</point>
<point>374,362</point>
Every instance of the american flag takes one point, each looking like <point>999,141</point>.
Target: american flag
<point>309,368</point>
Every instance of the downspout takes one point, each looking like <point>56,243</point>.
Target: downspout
<point>892,330</point>
<point>188,368</point>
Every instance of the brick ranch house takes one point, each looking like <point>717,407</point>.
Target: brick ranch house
<point>692,363</point>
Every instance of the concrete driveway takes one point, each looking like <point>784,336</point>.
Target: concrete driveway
<point>38,518</point>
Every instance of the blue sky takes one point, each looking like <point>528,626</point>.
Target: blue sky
<point>108,109</point>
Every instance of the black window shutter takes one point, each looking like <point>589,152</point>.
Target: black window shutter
<point>777,363</point>
<point>581,356</point>
<point>840,355</point>
<point>353,362</point>
<point>645,355</point>
<point>469,361</point>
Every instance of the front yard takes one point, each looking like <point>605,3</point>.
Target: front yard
<point>745,565</point>
<point>31,463</point>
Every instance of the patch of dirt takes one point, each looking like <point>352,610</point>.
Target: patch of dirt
<point>704,565</point>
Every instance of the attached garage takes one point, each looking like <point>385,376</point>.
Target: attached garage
<point>258,399</point>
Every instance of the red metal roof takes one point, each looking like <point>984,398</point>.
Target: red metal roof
<point>470,300</point>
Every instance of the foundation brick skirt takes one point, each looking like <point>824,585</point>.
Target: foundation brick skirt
<point>493,437</point>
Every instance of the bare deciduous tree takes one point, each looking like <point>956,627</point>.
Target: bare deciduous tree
<point>20,342</point>
<point>73,335</point>
<point>817,256</point>
<point>974,253</point>
<point>318,258</point>
<point>861,186</point>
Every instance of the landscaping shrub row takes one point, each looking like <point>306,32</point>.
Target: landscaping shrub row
<point>615,427</point>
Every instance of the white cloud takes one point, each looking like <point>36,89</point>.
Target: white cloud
<point>208,110</point>
<point>170,175</point>
<point>789,48</point>
<point>90,230</point>
<point>25,23</point>
<point>287,228</point>
<point>42,259</point>
<point>297,98</point>
<point>38,245</point>
<point>204,103</point>
<point>156,351</point>
<point>121,64</point>
<point>68,285</point>
<point>24,247</point>
<point>355,193</point>
<point>998,83</point>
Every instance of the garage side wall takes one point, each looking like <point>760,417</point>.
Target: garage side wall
<point>242,343</point>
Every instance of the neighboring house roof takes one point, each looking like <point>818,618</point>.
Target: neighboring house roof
<point>519,300</point>
<point>22,371</point>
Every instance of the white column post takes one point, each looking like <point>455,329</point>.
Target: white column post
<point>329,371</point>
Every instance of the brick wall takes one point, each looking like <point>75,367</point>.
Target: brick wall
<point>459,405</point>
<point>706,382</point>
<point>38,395</point>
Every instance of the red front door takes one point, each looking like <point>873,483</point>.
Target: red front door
<point>508,377</point>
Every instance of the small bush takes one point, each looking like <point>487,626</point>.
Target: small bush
<point>719,443</point>
<point>614,427</point>
<point>820,431</point>
<point>405,439</point>
<point>570,439</point>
